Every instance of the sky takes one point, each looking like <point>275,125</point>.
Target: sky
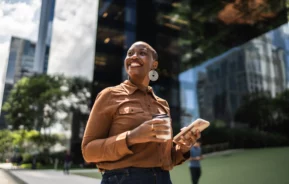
<point>73,38</point>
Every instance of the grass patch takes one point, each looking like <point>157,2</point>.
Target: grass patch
<point>256,166</point>
<point>89,174</point>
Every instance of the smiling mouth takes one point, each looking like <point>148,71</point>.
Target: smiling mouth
<point>134,64</point>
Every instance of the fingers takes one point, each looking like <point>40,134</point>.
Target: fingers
<point>156,133</point>
<point>189,138</point>
<point>183,128</point>
<point>152,129</point>
<point>160,127</point>
<point>187,141</point>
<point>156,121</point>
<point>154,139</point>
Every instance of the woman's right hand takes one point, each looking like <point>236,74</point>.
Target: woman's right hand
<point>148,131</point>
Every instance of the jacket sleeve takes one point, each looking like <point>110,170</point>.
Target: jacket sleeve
<point>177,156</point>
<point>96,145</point>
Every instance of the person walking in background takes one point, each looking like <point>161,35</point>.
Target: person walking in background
<point>195,165</point>
<point>67,163</point>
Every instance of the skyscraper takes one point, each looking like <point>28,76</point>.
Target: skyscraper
<point>46,17</point>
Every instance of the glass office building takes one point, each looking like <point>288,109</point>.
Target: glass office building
<point>211,53</point>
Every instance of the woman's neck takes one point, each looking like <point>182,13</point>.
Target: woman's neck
<point>143,86</point>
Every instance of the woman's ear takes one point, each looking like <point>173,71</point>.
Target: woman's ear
<point>155,65</point>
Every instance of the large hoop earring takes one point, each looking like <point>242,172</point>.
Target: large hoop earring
<point>153,75</point>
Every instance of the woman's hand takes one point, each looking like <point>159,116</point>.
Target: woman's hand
<point>148,131</point>
<point>188,140</point>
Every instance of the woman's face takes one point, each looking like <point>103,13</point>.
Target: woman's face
<point>139,61</point>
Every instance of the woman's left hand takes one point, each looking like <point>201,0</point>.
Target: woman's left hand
<point>188,140</point>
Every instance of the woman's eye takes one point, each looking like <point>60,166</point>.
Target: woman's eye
<point>142,53</point>
<point>129,53</point>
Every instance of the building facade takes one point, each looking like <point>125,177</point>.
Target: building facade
<point>256,66</point>
<point>169,30</point>
<point>205,53</point>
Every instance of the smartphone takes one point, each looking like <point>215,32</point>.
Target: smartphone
<point>198,124</point>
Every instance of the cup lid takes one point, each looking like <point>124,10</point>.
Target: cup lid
<point>160,116</point>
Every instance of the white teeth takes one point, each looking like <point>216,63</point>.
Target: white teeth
<point>134,64</point>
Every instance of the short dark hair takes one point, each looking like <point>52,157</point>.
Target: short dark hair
<point>154,52</point>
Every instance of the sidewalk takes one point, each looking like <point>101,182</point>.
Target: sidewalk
<point>43,176</point>
<point>57,177</point>
<point>5,178</point>
<point>51,176</point>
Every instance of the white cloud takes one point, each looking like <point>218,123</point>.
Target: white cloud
<point>20,19</point>
<point>73,40</point>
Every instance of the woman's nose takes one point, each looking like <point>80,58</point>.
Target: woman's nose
<point>134,56</point>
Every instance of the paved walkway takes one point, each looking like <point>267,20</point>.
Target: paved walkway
<point>6,178</point>
<point>57,177</point>
<point>51,176</point>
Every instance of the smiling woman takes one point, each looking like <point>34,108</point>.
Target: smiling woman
<point>140,59</point>
<point>121,135</point>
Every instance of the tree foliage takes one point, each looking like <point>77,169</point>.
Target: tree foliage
<point>6,140</point>
<point>23,141</point>
<point>36,102</point>
<point>261,111</point>
<point>256,110</point>
<point>209,28</point>
<point>32,103</point>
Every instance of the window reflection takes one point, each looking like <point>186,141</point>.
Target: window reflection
<point>211,53</point>
<point>223,81</point>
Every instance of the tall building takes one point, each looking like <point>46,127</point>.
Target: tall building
<point>253,67</point>
<point>186,35</point>
<point>20,64</point>
<point>44,34</point>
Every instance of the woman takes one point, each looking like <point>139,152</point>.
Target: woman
<point>121,136</point>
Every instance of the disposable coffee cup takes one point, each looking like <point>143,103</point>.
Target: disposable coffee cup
<point>168,120</point>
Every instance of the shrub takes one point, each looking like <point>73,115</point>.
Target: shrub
<point>240,138</point>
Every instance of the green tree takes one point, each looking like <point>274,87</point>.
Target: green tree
<point>23,141</point>
<point>282,106</point>
<point>38,102</point>
<point>6,147</point>
<point>257,111</point>
<point>32,103</point>
<point>41,142</point>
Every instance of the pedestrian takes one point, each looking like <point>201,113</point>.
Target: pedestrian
<point>195,165</point>
<point>67,162</point>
